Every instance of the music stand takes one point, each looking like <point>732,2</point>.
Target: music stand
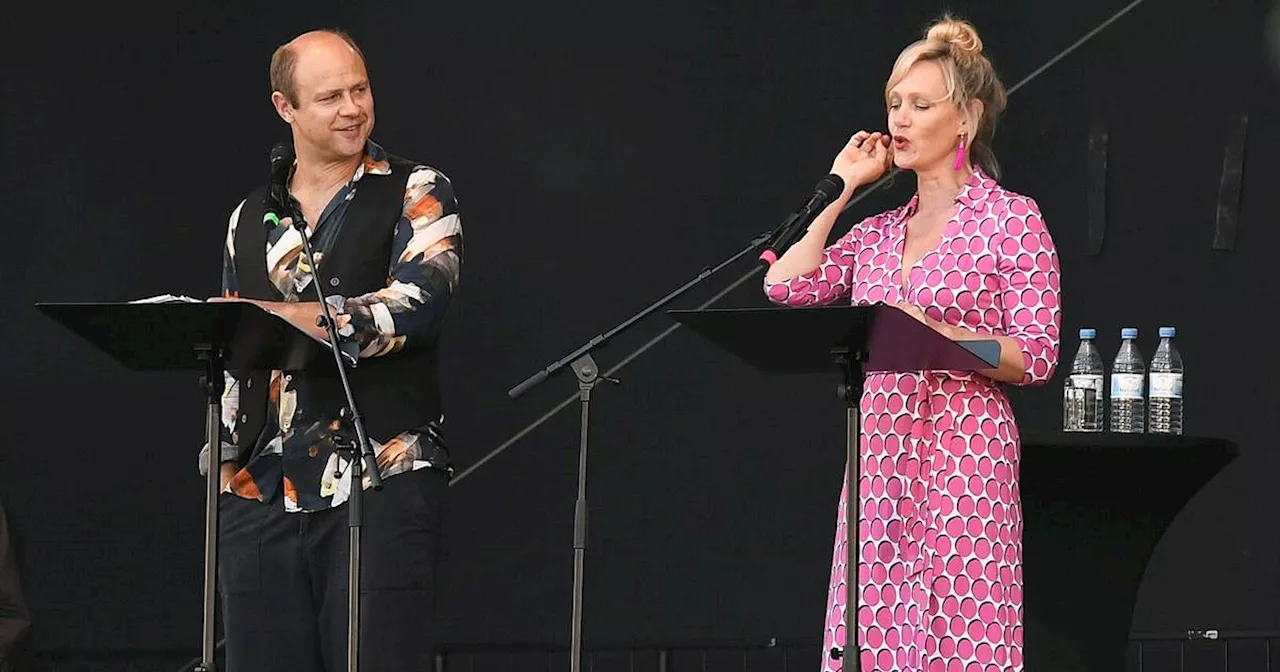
<point>194,336</point>
<point>855,340</point>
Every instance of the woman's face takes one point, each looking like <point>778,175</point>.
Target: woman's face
<point>923,121</point>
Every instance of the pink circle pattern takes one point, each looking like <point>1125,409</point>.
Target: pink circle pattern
<point>940,523</point>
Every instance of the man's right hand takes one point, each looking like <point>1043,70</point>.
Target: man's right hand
<point>226,470</point>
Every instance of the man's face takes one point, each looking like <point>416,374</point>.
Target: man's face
<point>334,115</point>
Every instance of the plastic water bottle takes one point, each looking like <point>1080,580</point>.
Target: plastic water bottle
<point>1165,389</point>
<point>1128,378</point>
<point>1082,405</point>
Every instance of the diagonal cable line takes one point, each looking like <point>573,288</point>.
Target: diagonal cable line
<point>1087,36</point>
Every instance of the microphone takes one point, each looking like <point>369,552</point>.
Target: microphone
<point>794,227</point>
<point>276,201</point>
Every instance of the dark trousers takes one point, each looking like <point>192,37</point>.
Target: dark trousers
<point>283,580</point>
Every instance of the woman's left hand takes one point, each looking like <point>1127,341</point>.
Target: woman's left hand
<point>919,314</point>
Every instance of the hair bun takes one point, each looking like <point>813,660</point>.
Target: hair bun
<point>959,34</point>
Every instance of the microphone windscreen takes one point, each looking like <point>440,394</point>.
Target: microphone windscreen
<point>830,186</point>
<point>281,152</point>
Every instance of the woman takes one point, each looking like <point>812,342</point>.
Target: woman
<point>940,521</point>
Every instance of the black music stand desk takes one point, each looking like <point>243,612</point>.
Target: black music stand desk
<point>194,336</point>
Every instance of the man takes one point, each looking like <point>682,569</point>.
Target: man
<point>15,620</point>
<point>388,244</point>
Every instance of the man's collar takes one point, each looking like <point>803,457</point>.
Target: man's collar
<point>375,160</point>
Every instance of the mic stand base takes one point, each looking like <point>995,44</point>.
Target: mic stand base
<point>850,390</point>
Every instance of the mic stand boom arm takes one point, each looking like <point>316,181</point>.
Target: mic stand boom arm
<point>588,374</point>
<point>601,339</point>
<point>362,454</point>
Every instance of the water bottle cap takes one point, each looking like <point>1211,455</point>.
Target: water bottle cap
<point>1088,333</point>
<point>1168,332</point>
<point>1129,332</point>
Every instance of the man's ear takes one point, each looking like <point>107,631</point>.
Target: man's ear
<point>283,108</point>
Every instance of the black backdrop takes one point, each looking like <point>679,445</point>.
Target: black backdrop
<point>602,156</point>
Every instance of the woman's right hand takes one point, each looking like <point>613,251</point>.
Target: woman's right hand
<point>863,160</point>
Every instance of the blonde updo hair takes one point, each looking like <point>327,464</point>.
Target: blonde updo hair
<point>955,45</point>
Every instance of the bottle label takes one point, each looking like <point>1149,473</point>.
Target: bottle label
<point>1089,381</point>
<point>1126,385</point>
<point>1166,385</point>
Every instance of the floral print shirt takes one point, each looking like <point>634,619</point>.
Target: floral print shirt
<point>294,453</point>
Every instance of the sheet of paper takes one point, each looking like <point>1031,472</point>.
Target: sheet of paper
<point>167,298</point>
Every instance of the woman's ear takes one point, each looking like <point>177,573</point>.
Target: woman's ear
<point>973,116</point>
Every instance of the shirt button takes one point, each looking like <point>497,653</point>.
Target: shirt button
<point>334,282</point>
<point>249,384</point>
<point>244,417</point>
<point>313,451</point>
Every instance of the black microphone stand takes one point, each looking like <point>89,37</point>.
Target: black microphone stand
<point>366,458</point>
<point>588,374</point>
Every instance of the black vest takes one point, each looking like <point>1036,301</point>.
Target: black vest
<point>394,393</point>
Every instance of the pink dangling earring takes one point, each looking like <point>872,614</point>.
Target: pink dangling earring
<point>960,152</point>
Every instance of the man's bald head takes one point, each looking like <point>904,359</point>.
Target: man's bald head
<point>321,89</point>
<point>285,58</point>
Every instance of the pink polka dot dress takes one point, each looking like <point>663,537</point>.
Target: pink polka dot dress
<point>940,524</point>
